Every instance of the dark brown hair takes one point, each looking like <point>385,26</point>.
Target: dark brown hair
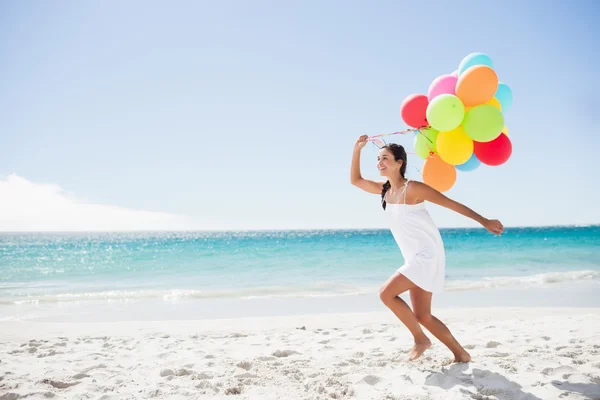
<point>399,155</point>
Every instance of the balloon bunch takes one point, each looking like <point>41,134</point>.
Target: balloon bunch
<point>461,121</point>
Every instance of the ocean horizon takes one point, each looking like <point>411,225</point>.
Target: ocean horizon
<point>197,230</point>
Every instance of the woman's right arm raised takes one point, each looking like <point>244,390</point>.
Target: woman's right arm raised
<point>355,177</point>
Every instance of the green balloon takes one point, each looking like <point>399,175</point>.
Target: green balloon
<point>483,123</point>
<point>445,112</point>
<point>425,142</point>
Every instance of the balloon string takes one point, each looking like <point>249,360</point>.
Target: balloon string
<point>371,138</point>
<point>375,139</point>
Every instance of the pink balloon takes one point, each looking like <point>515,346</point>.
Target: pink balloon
<point>455,73</point>
<point>444,84</point>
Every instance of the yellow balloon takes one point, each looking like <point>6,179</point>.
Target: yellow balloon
<point>492,102</point>
<point>505,130</point>
<point>455,146</point>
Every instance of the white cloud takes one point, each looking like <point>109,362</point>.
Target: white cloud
<point>29,206</point>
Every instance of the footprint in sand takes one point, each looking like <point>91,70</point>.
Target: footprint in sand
<point>93,367</point>
<point>167,372</point>
<point>49,354</point>
<point>244,365</point>
<point>246,375</point>
<point>470,346</point>
<point>202,376</point>
<point>284,353</point>
<point>492,345</point>
<point>371,380</point>
<point>534,350</point>
<point>499,355</point>
<point>59,384</point>
<point>559,371</point>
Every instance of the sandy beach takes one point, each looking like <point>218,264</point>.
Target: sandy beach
<point>518,353</point>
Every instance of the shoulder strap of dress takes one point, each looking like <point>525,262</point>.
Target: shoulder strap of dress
<point>406,189</point>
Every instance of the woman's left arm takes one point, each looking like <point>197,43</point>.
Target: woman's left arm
<point>426,192</point>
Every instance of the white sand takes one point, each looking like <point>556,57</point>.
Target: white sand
<point>527,353</point>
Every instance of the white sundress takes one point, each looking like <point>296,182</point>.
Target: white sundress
<point>420,243</point>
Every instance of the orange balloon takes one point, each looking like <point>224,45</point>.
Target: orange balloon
<point>438,174</point>
<point>505,130</point>
<point>477,85</point>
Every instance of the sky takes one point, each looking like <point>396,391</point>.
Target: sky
<point>243,115</point>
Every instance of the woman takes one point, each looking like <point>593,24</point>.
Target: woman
<point>420,243</point>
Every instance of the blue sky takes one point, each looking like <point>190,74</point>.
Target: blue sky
<point>241,115</point>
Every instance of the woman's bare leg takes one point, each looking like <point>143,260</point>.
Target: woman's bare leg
<point>421,303</point>
<point>394,286</point>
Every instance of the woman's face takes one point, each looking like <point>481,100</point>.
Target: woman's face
<point>387,164</point>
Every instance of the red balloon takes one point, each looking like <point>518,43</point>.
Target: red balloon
<point>495,152</point>
<point>414,110</point>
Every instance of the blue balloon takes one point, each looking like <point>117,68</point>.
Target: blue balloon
<point>471,164</point>
<point>474,59</point>
<point>504,96</point>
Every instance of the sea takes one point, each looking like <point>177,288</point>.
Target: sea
<point>187,275</point>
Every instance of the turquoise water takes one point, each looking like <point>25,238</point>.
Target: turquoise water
<point>50,268</point>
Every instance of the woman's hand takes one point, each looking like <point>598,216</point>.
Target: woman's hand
<point>494,226</point>
<point>360,142</point>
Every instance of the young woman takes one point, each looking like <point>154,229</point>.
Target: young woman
<point>420,243</point>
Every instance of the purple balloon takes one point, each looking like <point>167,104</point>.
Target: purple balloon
<point>444,84</point>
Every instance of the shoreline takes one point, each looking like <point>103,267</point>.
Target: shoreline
<point>564,295</point>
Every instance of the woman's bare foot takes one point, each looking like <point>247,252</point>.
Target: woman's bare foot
<point>418,350</point>
<point>462,357</point>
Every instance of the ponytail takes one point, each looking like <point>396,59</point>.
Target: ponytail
<point>399,155</point>
<point>386,187</point>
